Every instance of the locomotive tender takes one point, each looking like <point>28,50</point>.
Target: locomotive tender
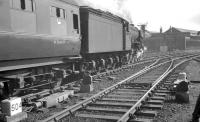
<point>41,36</point>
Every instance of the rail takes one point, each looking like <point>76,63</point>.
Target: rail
<point>74,108</point>
<point>26,97</point>
<point>71,110</point>
<point>133,109</point>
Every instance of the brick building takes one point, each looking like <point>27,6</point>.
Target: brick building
<point>173,39</point>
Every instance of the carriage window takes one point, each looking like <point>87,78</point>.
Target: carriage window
<point>16,4</point>
<point>29,5</point>
<point>57,12</point>
<point>62,13</point>
<point>75,21</point>
<point>53,11</point>
<point>25,5</point>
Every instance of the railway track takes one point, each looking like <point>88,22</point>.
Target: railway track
<point>114,103</point>
<point>45,83</point>
<point>28,99</point>
<point>134,68</point>
<point>33,91</point>
<point>98,87</point>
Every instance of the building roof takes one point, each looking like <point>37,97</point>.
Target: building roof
<point>173,29</point>
<point>186,30</point>
<point>195,37</point>
<point>72,2</point>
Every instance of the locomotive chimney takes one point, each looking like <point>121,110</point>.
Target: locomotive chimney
<point>160,29</point>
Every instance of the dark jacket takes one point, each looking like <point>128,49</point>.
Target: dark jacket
<point>182,87</point>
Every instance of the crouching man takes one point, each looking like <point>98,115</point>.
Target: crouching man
<point>181,88</point>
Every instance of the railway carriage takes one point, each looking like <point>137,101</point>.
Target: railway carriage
<point>37,36</point>
<point>57,39</point>
<point>38,29</point>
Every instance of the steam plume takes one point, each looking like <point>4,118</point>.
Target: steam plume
<point>114,6</point>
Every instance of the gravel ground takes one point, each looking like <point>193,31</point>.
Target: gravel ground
<point>176,112</point>
<point>103,83</point>
<point>98,86</point>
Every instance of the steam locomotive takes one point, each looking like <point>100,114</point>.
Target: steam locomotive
<point>59,39</point>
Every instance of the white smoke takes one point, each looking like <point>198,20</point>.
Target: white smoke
<point>116,7</point>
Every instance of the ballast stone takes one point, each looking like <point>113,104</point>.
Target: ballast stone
<point>15,118</point>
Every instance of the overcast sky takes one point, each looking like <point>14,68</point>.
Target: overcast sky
<point>157,13</point>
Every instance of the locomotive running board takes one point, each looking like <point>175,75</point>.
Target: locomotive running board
<point>29,65</point>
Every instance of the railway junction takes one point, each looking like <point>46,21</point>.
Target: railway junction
<point>63,62</point>
<point>135,92</point>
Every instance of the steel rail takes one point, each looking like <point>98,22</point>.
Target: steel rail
<point>72,109</point>
<point>93,77</point>
<point>129,65</point>
<point>133,109</point>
